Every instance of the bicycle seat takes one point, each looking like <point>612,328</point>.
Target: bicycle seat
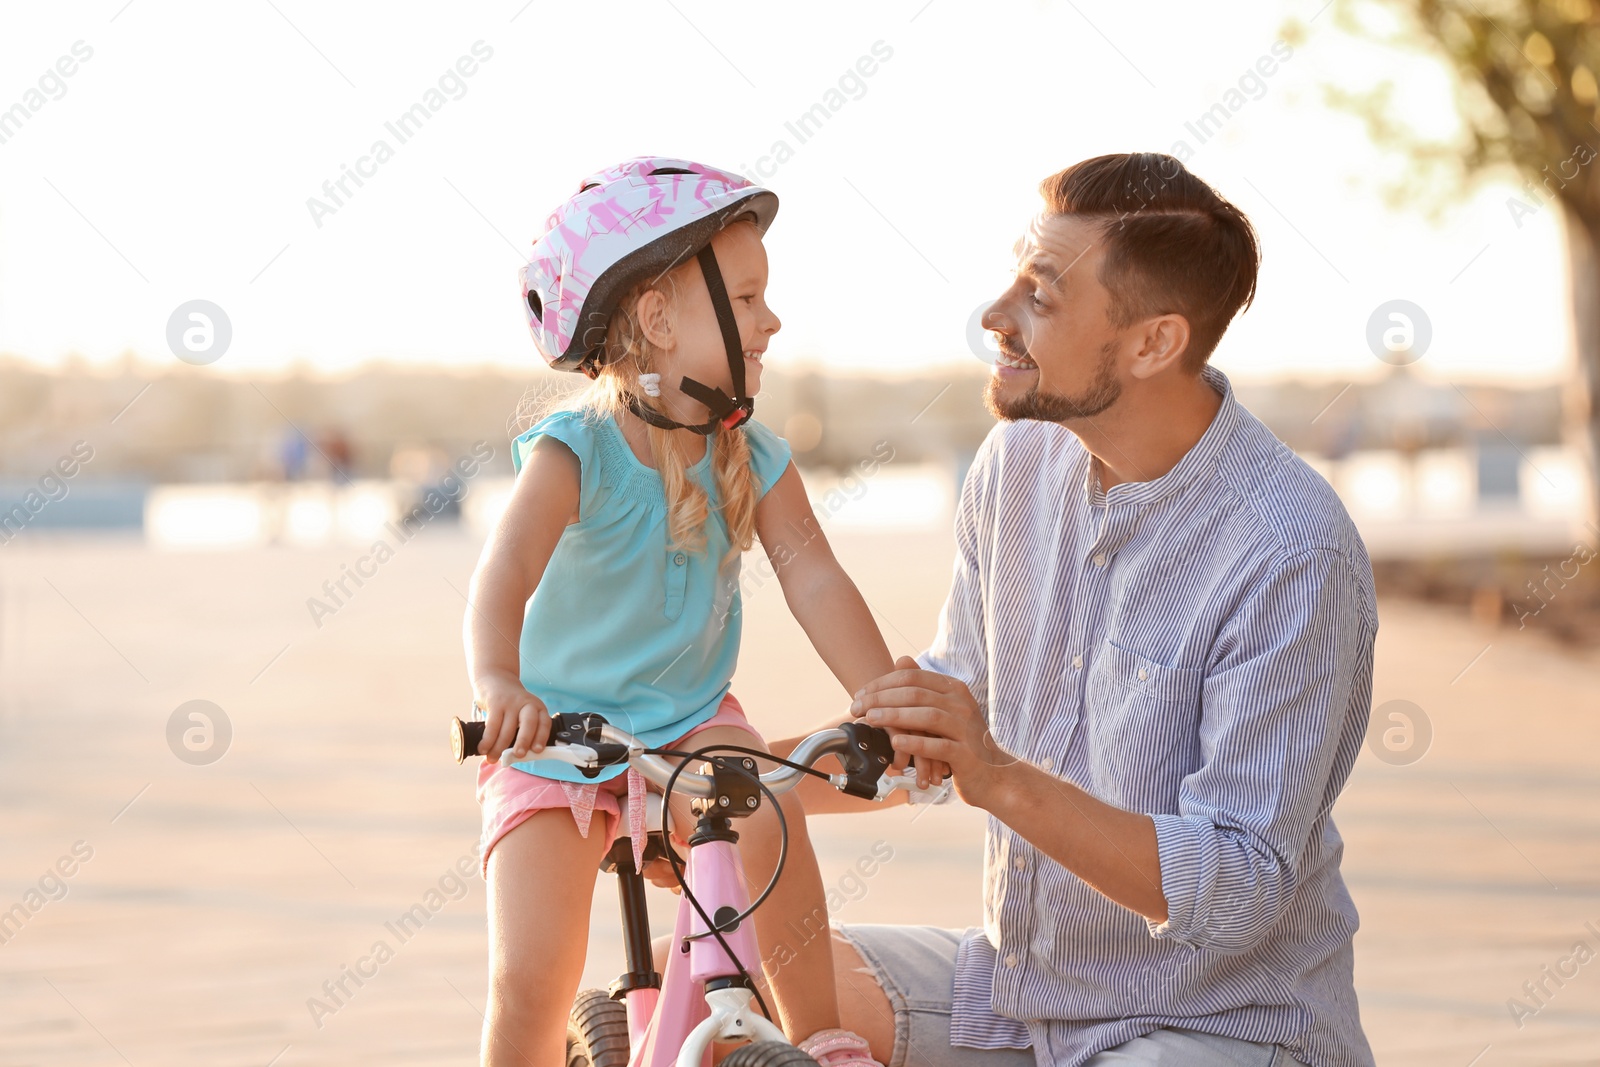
<point>655,841</point>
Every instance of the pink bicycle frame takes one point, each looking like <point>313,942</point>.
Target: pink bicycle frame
<point>660,1021</point>
<point>673,1019</point>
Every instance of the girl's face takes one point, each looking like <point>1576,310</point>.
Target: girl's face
<point>694,347</point>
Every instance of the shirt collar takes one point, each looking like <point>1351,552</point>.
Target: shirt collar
<point>1201,457</point>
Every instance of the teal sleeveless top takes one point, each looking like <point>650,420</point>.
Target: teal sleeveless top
<point>623,623</point>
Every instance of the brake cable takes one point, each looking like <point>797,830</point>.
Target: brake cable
<point>713,928</point>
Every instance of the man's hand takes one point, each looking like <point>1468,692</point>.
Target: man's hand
<point>945,724</point>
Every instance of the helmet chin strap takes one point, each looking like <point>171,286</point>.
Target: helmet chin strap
<point>726,411</point>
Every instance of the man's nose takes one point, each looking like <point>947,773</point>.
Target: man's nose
<point>996,320</point>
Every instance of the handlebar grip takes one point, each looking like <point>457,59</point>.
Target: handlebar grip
<point>567,728</point>
<point>465,738</point>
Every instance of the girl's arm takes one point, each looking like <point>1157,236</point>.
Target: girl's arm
<point>826,604</point>
<point>822,598</point>
<point>544,500</point>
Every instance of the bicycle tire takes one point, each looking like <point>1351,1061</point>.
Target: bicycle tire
<point>767,1054</point>
<point>597,1031</point>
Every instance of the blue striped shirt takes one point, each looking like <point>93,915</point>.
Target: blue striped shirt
<point>1198,648</point>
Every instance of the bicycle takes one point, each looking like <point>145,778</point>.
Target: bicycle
<point>706,993</point>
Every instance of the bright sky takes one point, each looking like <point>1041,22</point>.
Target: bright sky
<point>175,163</point>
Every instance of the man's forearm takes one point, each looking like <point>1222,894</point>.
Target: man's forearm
<point>1110,849</point>
<point>1114,851</point>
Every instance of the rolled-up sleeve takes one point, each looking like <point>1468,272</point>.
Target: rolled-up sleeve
<point>1279,692</point>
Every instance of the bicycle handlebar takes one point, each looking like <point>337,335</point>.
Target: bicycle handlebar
<point>588,742</point>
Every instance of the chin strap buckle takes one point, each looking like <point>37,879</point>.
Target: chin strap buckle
<point>725,410</point>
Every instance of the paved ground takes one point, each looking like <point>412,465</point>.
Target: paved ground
<point>207,905</point>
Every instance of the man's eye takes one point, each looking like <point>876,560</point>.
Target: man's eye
<point>1034,297</point>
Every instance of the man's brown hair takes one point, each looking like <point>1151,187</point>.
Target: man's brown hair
<point>1173,244</point>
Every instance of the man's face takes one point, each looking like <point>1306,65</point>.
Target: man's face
<point>1057,358</point>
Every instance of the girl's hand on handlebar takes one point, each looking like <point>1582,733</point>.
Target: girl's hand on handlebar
<point>930,772</point>
<point>514,718</point>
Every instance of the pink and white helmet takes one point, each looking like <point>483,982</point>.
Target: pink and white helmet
<point>633,221</point>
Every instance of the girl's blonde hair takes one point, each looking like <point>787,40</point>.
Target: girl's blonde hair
<point>628,354</point>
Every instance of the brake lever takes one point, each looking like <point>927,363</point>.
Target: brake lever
<point>934,794</point>
<point>580,756</point>
<point>574,739</point>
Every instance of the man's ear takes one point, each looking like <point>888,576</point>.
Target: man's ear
<point>1162,342</point>
<point>654,314</point>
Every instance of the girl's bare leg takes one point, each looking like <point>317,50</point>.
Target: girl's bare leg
<point>791,924</point>
<point>541,881</point>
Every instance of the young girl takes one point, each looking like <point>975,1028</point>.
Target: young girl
<point>611,583</point>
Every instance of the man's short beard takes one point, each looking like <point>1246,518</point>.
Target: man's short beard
<point>1055,407</point>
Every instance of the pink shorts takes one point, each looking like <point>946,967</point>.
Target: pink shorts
<point>509,796</point>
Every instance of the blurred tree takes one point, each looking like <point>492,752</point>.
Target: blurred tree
<point>1525,79</point>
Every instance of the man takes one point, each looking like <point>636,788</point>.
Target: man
<point>1153,670</point>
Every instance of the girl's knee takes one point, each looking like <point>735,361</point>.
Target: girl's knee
<point>520,988</point>
<point>659,947</point>
<point>794,817</point>
<point>762,835</point>
<point>736,736</point>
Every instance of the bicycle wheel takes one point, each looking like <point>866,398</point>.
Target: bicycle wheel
<point>597,1031</point>
<point>767,1054</point>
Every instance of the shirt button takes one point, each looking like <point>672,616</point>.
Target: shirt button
<point>1019,863</point>
<point>1047,763</point>
<point>680,559</point>
<point>1011,960</point>
<point>1100,559</point>
<point>1143,674</point>
<point>1077,663</point>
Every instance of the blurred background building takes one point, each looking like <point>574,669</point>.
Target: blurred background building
<point>1463,492</point>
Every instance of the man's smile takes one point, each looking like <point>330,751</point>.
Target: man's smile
<point>1010,363</point>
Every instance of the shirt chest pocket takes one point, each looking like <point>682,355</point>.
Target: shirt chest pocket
<point>1144,721</point>
<point>677,580</point>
